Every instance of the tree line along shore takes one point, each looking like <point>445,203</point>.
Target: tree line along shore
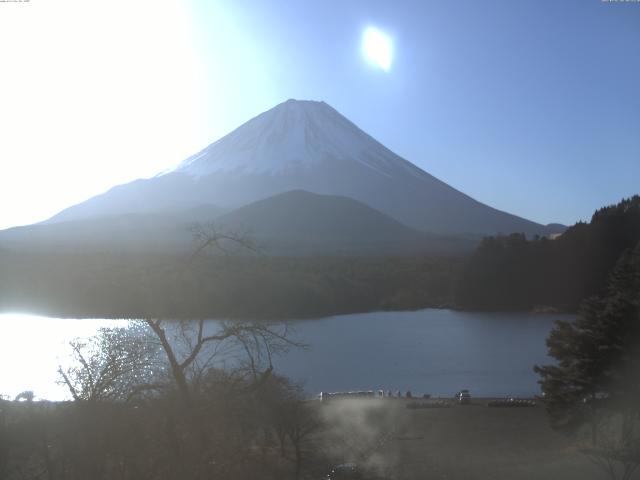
<point>508,272</point>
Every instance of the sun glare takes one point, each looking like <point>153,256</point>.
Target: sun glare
<point>378,48</point>
<point>88,90</point>
<point>36,368</point>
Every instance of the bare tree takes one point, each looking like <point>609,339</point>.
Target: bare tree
<point>203,420</point>
<point>112,365</point>
<point>210,237</point>
<point>259,341</point>
<point>618,450</point>
<point>193,349</point>
<point>302,424</point>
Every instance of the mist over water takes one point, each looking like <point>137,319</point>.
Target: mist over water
<point>427,351</point>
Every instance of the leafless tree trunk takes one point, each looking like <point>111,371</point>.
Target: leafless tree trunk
<point>303,423</point>
<point>618,453</point>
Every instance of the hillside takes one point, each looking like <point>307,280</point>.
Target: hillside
<point>511,272</point>
<point>86,284</point>
<point>131,232</point>
<point>300,222</point>
<point>289,224</point>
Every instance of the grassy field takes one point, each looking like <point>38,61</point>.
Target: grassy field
<point>462,442</point>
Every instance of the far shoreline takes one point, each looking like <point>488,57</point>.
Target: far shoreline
<point>544,310</point>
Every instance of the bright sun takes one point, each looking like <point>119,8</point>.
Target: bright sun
<point>378,48</point>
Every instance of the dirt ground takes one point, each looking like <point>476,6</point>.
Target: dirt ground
<point>461,442</point>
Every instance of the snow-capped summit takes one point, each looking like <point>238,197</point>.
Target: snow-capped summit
<point>294,135</point>
<point>305,145</point>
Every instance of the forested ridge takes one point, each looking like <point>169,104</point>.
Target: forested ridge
<point>504,273</point>
<point>513,272</point>
<point>110,285</point>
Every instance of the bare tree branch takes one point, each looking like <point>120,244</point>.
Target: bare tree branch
<point>209,236</point>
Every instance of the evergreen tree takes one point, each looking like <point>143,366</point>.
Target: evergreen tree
<point>598,355</point>
<point>512,272</point>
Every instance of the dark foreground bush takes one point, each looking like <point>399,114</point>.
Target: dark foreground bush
<point>234,429</point>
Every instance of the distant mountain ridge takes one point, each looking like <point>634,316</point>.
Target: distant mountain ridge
<point>291,223</point>
<point>306,145</point>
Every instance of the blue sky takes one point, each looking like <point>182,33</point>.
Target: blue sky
<point>529,106</point>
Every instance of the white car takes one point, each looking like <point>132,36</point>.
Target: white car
<point>464,397</point>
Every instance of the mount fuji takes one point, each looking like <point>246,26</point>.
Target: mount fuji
<point>305,145</point>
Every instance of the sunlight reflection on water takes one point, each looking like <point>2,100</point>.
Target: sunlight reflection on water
<point>434,351</point>
<point>33,347</point>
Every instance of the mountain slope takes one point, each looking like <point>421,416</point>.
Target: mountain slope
<point>124,232</point>
<point>291,223</point>
<point>300,222</point>
<point>309,146</point>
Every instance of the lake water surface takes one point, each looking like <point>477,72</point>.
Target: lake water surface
<point>426,351</point>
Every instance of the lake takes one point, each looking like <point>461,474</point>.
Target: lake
<point>426,351</point>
